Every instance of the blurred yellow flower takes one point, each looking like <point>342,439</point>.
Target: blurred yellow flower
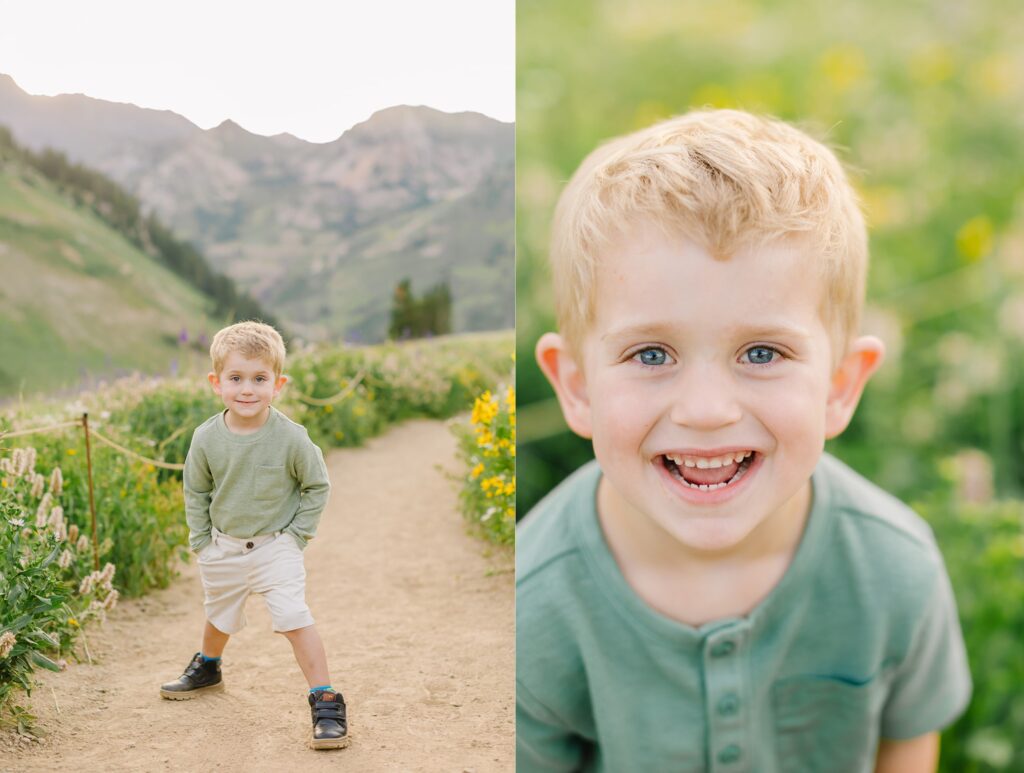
<point>844,65</point>
<point>996,75</point>
<point>328,409</point>
<point>974,238</point>
<point>475,472</point>
<point>72,452</point>
<point>713,95</point>
<point>932,64</point>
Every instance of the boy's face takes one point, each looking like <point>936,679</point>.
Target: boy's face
<point>247,387</point>
<point>707,386</point>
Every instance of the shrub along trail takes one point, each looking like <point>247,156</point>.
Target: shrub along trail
<point>417,622</point>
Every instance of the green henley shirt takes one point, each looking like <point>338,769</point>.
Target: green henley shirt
<point>271,480</point>
<point>858,641</point>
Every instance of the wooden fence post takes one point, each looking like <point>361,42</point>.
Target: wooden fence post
<point>92,501</point>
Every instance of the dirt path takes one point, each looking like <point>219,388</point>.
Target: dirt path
<point>417,622</point>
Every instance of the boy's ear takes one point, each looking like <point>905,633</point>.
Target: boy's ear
<point>566,376</point>
<point>214,381</point>
<point>848,381</point>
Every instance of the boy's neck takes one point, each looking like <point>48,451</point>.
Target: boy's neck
<point>242,426</point>
<point>695,586</point>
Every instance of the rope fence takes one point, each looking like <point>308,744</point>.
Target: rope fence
<point>89,433</point>
<point>333,399</point>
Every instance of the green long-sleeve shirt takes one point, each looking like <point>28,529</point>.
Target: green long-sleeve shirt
<point>271,480</point>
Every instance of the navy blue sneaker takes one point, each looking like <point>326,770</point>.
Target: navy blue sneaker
<point>330,727</point>
<point>200,676</point>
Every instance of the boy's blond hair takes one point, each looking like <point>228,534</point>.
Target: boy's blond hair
<point>725,179</point>
<point>253,340</point>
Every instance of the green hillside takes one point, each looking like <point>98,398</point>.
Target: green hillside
<point>78,301</point>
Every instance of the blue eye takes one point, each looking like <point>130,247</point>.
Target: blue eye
<point>651,356</point>
<point>760,355</point>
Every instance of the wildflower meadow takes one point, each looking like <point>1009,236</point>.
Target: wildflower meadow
<point>50,586</point>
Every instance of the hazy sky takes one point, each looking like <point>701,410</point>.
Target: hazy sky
<point>309,67</point>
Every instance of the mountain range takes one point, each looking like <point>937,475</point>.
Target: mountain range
<point>319,233</point>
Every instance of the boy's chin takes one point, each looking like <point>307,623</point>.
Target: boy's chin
<point>713,536</point>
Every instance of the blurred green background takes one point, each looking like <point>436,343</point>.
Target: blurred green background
<point>924,104</point>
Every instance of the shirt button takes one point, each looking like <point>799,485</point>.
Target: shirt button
<point>248,545</point>
<point>723,648</point>
<point>729,754</point>
<point>729,705</point>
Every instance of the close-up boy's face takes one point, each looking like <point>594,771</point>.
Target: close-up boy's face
<point>247,386</point>
<point>706,384</point>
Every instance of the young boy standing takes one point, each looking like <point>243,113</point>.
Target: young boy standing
<point>714,593</point>
<point>255,485</point>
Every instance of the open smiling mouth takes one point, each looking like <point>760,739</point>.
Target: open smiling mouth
<point>706,473</point>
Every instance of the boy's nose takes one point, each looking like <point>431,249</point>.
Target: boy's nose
<point>705,398</point>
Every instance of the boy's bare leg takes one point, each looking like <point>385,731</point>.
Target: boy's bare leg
<point>214,641</point>
<point>310,655</point>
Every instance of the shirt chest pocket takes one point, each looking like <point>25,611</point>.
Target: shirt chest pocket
<point>271,484</point>
<point>826,723</point>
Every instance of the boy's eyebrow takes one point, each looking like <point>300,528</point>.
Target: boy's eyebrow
<point>763,330</point>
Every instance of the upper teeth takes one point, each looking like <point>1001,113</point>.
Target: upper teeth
<point>706,462</point>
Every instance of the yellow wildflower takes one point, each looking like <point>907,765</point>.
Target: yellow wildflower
<point>72,452</point>
<point>72,622</point>
<point>477,470</point>
<point>328,409</point>
<point>974,238</point>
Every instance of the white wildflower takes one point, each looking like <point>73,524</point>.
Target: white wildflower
<point>111,600</point>
<point>56,518</point>
<point>18,461</point>
<point>19,522</point>
<point>37,486</point>
<point>6,466</point>
<point>30,460</point>
<point>107,574</point>
<point>56,482</point>
<point>43,511</point>
<point>83,544</point>
<point>65,559</point>
<point>7,642</point>
<point>59,533</point>
<point>86,585</point>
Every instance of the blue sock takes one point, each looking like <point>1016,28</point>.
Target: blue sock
<point>206,659</point>
<point>321,687</point>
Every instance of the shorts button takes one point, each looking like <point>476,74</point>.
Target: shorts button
<point>248,545</point>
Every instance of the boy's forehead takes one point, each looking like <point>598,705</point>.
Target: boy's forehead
<point>236,361</point>
<point>649,272</point>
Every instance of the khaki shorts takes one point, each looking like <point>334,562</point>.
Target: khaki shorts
<point>272,567</point>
